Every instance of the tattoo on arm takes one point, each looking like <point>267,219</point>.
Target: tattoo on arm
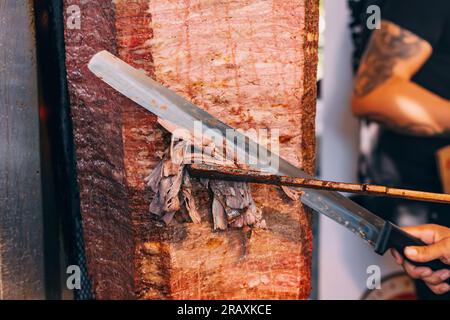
<point>387,46</point>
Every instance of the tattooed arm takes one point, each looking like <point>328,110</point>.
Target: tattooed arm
<point>384,91</point>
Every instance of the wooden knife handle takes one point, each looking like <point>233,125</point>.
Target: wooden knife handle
<point>247,175</point>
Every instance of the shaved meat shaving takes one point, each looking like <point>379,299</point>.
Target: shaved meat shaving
<point>232,205</point>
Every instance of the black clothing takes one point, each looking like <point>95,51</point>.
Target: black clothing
<point>430,20</point>
<point>405,161</point>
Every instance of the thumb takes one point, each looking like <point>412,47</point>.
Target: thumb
<point>433,251</point>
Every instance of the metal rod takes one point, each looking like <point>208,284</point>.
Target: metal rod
<point>253,176</point>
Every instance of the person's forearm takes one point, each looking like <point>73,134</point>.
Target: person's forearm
<point>405,107</point>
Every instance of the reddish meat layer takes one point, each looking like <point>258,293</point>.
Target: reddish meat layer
<point>97,120</point>
<point>242,61</point>
<point>251,63</point>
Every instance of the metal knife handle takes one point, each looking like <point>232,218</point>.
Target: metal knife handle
<point>393,237</point>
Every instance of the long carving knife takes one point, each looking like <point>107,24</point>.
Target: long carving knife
<point>170,106</point>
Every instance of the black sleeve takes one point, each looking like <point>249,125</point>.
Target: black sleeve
<point>425,18</point>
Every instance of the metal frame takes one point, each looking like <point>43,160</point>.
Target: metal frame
<point>21,214</point>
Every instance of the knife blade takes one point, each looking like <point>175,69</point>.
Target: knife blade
<point>170,106</point>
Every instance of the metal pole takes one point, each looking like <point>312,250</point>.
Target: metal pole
<point>21,214</point>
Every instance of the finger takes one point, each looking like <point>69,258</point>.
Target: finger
<point>428,233</point>
<point>433,251</point>
<point>437,277</point>
<point>397,256</point>
<point>416,272</point>
<point>440,288</point>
